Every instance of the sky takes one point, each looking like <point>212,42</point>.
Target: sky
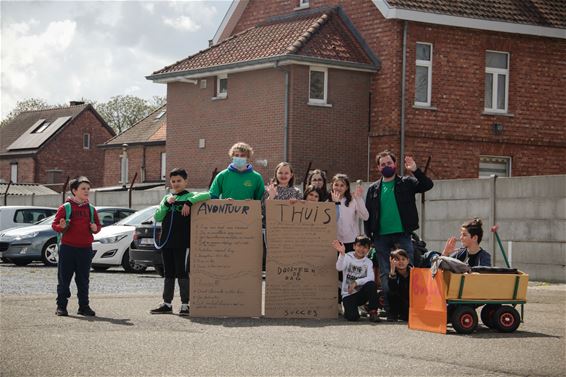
<point>61,51</point>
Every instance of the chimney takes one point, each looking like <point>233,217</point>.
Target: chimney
<point>76,103</point>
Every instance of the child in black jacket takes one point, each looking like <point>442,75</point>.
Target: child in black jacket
<point>399,278</point>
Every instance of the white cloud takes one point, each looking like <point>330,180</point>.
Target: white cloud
<point>181,23</point>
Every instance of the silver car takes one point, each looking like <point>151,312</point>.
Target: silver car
<point>23,245</point>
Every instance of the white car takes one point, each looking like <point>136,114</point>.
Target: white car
<point>18,216</point>
<point>112,244</point>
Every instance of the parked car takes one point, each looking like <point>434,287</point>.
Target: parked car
<point>112,244</point>
<point>23,245</point>
<point>17,216</point>
<point>143,251</point>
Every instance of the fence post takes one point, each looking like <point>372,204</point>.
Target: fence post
<point>492,216</point>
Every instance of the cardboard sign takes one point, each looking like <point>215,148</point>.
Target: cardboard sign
<point>226,251</point>
<point>427,308</point>
<point>301,276</point>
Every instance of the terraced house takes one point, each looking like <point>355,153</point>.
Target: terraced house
<point>477,86</point>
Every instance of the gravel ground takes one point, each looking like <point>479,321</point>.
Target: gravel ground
<point>37,279</point>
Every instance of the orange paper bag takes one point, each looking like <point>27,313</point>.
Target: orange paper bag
<point>427,310</point>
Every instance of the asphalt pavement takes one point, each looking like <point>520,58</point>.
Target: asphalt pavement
<point>125,340</point>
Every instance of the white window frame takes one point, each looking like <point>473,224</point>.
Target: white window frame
<point>163,166</point>
<point>485,159</point>
<point>303,4</point>
<point>223,94</point>
<point>87,139</point>
<point>318,101</point>
<point>496,72</point>
<point>14,172</point>
<point>428,65</point>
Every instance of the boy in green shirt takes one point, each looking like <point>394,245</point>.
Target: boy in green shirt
<point>174,215</point>
<point>239,181</point>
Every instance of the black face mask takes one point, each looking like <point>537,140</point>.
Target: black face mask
<point>388,171</point>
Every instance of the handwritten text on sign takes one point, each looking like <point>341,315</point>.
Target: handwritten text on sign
<point>226,252</point>
<point>301,264</point>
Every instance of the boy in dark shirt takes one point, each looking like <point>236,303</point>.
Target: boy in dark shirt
<point>472,253</point>
<point>174,214</point>
<point>399,278</point>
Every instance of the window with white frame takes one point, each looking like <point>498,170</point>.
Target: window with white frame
<point>495,165</point>
<point>423,74</point>
<point>318,85</point>
<point>14,172</point>
<point>221,86</point>
<point>163,166</point>
<point>86,141</point>
<point>303,3</point>
<point>496,81</point>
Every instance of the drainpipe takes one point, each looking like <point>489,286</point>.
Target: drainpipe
<point>369,135</point>
<point>403,85</point>
<point>286,114</point>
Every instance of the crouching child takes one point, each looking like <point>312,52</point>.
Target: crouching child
<point>358,285</point>
<point>399,278</point>
<point>174,214</point>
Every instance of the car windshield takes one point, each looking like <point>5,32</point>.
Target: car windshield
<point>47,220</point>
<point>138,217</point>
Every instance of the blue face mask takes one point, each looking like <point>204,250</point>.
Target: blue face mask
<point>388,171</point>
<point>239,162</point>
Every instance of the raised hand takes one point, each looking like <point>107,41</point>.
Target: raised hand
<point>339,246</point>
<point>336,197</point>
<point>272,190</point>
<point>450,246</point>
<point>171,199</point>
<point>393,265</point>
<point>358,192</point>
<point>410,164</point>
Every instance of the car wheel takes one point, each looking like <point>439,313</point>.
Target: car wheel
<point>159,270</point>
<point>21,262</point>
<point>130,266</point>
<point>100,268</point>
<point>50,253</point>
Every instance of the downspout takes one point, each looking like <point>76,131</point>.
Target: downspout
<point>403,85</point>
<point>285,114</point>
<point>369,134</point>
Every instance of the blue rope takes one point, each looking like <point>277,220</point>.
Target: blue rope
<point>159,247</point>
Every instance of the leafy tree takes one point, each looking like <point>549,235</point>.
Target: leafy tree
<point>26,105</point>
<point>122,112</point>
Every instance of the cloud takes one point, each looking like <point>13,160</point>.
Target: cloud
<point>96,50</point>
<point>181,23</point>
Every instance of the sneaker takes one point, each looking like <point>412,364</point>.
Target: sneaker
<point>373,316</point>
<point>61,311</point>
<point>184,312</point>
<point>162,309</point>
<point>340,310</point>
<point>86,311</point>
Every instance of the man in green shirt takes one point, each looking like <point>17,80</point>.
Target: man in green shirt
<point>239,181</point>
<point>392,210</point>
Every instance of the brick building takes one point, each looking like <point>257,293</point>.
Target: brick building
<point>144,144</point>
<point>47,146</point>
<point>478,87</point>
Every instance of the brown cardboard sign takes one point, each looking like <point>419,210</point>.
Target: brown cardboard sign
<point>301,276</point>
<point>226,252</point>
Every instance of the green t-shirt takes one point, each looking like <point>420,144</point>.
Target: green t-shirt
<point>237,185</point>
<point>389,219</point>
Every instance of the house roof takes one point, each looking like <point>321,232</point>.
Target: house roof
<point>545,18</point>
<point>322,35</point>
<point>548,13</point>
<point>18,137</point>
<point>26,189</point>
<point>152,129</point>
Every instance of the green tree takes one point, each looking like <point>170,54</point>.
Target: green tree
<point>26,105</point>
<point>122,112</point>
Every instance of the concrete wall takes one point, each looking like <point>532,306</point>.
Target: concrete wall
<point>530,211</point>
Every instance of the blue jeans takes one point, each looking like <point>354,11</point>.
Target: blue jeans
<point>383,246</point>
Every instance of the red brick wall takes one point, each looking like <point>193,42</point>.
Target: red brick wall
<point>65,151</point>
<point>26,169</point>
<point>135,162</point>
<point>333,138</point>
<point>456,133</point>
<point>252,112</point>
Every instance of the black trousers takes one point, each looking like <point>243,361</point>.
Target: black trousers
<point>398,305</point>
<point>176,264</point>
<point>73,261</point>
<point>368,293</point>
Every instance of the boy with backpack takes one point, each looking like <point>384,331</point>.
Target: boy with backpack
<point>76,221</point>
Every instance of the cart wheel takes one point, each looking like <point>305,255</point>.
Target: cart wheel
<point>488,314</point>
<point>464,319</point>
<point>507,319</point>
